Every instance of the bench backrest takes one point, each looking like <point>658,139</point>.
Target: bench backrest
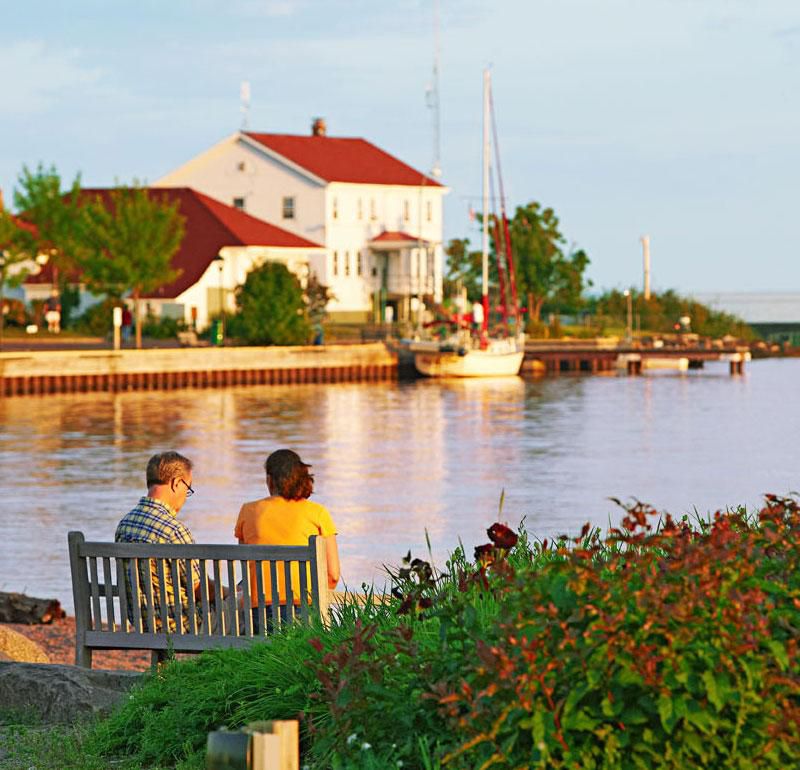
<point>106,576</point>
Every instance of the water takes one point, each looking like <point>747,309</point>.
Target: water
<point>395,460</point>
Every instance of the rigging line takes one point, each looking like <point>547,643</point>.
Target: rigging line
<point>499,248</point>
<point>506,233</point>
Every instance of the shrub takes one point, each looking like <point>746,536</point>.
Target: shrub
<point>271,308</point>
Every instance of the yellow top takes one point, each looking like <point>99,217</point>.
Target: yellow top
<point>277,521</point>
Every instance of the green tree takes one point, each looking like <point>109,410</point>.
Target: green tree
<point>16,250</point>
<point>546,274</point>
<point>128,239</point>
<point>41,202</point>
<point>463,269</point>
<point>271,308</point>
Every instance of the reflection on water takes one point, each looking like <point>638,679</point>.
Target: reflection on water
<point>393,460</point>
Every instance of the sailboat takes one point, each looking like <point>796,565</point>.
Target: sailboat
<point>483,356</point>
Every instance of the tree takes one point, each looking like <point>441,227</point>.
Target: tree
<point>271,309</point>
<point>463,269</point>
<point>16,250</point>
<point>546,275</point>
<point>128,239</point>
<point>317,296</point>
<point>53,214</point>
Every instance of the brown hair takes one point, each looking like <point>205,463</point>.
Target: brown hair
<point>290,477</point>
<point>164,467</point>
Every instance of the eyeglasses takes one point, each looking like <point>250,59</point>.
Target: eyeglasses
<point>189,489</point>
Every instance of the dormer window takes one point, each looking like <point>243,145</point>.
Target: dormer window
<point>238,203</point>
<point>287,207</point>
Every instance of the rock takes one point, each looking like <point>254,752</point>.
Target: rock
<point>56,693</point>
<point>18,608</point>
<point>15,646</point>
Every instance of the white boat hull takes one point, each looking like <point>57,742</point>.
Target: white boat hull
<point>473,363</point>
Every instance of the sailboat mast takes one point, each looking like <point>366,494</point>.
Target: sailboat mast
<point>487,85</point>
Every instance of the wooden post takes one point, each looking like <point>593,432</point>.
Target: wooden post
<point>80,596</point>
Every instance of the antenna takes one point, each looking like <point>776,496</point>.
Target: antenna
<point>645,240</point>
<point>244,97</point>
<point>432,98</point>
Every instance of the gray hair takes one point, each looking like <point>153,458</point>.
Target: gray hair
<point>164,467</point>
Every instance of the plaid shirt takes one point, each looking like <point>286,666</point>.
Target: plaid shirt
<point>153,521</point>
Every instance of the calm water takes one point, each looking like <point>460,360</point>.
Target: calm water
<point>394,460</point>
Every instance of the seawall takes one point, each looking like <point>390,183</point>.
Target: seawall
<point>45,372</point>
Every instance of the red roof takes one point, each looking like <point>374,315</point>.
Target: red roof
<point>343,159</point>
<point>393,236</point>
<point>210,226</point>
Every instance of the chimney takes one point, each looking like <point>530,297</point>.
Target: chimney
<point>318,127</point>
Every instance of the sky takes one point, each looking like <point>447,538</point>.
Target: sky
<point>673,118</point>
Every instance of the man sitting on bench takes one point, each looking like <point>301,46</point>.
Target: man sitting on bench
<point>155,520</point>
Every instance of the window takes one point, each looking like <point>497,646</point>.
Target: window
<point>429,211</point>
<point>347,263</point>
<point>335,208</point>
<point>240,166</point>
<point>287,207</point>
<point>360,209</point>
<point>405,211</point>
<point>372,214</point>
<point>238,203</point>
<point>359,264</point>
<point>336,263</point>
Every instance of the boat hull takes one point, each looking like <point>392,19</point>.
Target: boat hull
<point>473,363</point>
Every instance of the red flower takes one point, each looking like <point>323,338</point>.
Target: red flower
<point>502,536</point>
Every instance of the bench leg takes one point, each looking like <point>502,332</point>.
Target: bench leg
<point>157,657</point>
<point>83,657</point>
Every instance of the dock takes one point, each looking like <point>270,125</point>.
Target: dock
<point>596,356</point>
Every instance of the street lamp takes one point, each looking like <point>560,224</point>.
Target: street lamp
<point>220,260</point>
<point>629,326</point>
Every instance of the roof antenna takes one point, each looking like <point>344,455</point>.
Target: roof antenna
<point>432,97</point>
<point>244,97</point>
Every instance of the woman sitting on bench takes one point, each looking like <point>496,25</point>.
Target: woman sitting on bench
<point>286,517</point>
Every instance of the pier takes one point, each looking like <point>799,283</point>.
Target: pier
<point>84,371</point>
<point>595,356</point>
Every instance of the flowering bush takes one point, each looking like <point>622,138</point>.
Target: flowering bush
<point>654,647</point>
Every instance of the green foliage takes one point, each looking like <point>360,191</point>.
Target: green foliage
<point>659,646</point>
<point>97,319</point>
<point>271,308</point>
<point>161,327</point>
<point>463,269</point>
<point>128,240</point>
<point>41,202</point>
<point>317,296</point>
<point>547,275</point>
<point>16,245</point>
<point>661,312</point>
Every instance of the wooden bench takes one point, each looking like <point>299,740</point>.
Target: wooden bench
<point>105,574</point>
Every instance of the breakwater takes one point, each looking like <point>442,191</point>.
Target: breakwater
<point>60,371</point>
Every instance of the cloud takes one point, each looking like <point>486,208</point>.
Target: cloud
<point>39,76</point>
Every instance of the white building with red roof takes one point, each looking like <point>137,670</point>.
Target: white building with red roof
<point>220,247</point>
<point>378,219</point>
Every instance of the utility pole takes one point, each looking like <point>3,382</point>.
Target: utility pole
<point>645,239</point>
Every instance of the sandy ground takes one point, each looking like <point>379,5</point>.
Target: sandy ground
<point>58,641</point>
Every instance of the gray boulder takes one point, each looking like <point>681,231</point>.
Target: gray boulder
<point>57,693</point>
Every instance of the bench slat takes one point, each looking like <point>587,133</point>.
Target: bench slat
<point>230,600</point>
<point>94,588</point>
<point>218,607</point>
<point>162,595</point>
<point>120,591</point>
<point>148,594</point>
<point>136,589</point>
<point>247,615</point>
<point>109,593</point>
<point>262,605</point>
<point>287,576</point>
<point>182,551</point>
<point>304,592</point>
<point>276,597</point>
<point>187,565</point>
<point>177,592</point>
<point>205,617</point>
